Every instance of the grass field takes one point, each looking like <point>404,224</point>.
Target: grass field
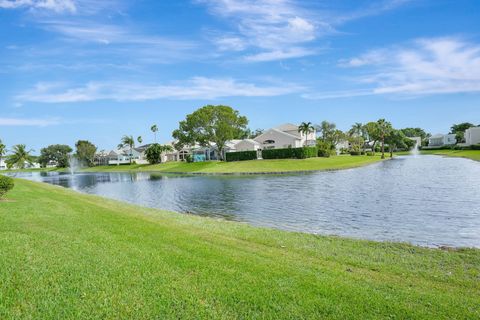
<point>254,166</point>
<point>469,154</point>
<point>66,255</point>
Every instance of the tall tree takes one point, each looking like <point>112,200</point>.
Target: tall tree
<point>396,139</point>
<point>128,141</point>
<point>326,130</point>
<point>373,132</point>
<point>359,130</point>
<point>3,150</point>
<point>459,130</point>
<point>19,157</point>
<point>57,153</point>
<point>85,152</point>
<point>384,129</point>
<point>154,129</point>
<point>306,128</point>
<point>210,125</point>
<point>416,132</point>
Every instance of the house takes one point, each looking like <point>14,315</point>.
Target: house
<point>440,140</point>
<point>3,164</point>
<point>285,136</point>
<point>123,156</point>
<point>247,145</point>
<point>472,136</point>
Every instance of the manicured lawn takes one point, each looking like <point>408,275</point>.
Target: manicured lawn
<point>69,256</point>
<point>470,154</point>
<point>259,166</point>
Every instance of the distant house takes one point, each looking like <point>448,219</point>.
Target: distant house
<point>123,156</point>
<point>472,136</point>
<point>285,136</point>
<point>440,140</point>
<point>3,164</point>
<point>248,145</point>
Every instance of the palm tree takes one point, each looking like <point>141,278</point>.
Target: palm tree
<point>19,156</point>
<point>384,128</point>
<point>139,139</point>
<point>154,129</point>
<point>306,128</point>
<point>358,130</point>
<point>128,141</point>
<point>3,150</point>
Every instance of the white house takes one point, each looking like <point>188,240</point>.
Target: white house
<point>3,164</point>
<point>439,140</point>
<point>472,136</point>
<point>248,145</point>
<point>285,136</point>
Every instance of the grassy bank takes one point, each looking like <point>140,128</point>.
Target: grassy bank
<point>254,166</point>
<point>68,256</point>
<point>469,154</point>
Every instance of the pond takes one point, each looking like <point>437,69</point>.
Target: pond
<point>424,200</point>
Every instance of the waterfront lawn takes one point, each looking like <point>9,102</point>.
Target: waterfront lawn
<point>469,154</point>
<point>66,255</point>
<point>253,166</point>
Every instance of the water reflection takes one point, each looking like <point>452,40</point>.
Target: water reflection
<point>427,200</point>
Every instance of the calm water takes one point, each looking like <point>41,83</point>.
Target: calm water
<point>425,200</point>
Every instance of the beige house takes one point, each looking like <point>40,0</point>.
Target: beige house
<point>285,136</point>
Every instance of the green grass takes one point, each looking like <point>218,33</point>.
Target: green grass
<point>66,255</point>
<point>469,154</point>
<point>254,166</point>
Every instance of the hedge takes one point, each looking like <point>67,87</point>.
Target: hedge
<point>6,184</point>
<point>290,153</point>
<point>241,156</point>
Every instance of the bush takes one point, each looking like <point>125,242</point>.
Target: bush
<point>475,147</point>
<point>241,156</point>
<point>323,153</point>
<point>189,158</point>
<point>154,153</point>
<point>355,153</point>
<point>290,153</point>
<point>6,184</point>
<point>369,153</point>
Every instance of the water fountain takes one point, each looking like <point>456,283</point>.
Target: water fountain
<point>416,149</point>
<point>74,165</point>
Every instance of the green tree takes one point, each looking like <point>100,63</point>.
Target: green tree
<point>128,141</point>
<point>396,139</point>
<point>306,128</point>
<point>210,125</point>
<point>154,129</point>
<point>416,132</point>
<point>139,139</point>
<point>19,157</point>
<point>358,130</point>
<point>384,129</point>
<point>154,152</point>
<point>3,150</point>
<point>459,130</point>
<point>57,153</point>
<point>373,134</point>
<point>85,152</point>
<point>326,130</point>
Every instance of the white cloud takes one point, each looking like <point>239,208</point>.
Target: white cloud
<point>283,29</point>
<point>57,6</point>
<point>273,26</point>
<point>428,66</point>
<point>195,88</point>
<point>19,122</point>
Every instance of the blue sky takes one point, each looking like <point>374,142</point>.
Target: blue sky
<point>96,70</point>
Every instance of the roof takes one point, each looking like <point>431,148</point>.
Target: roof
<point>287,127</point>
<point>249,141</point>
<point>277,131</point>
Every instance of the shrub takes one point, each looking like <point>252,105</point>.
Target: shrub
<point>323,153</point>
<point>241,156</point>
<point>189,158</point>
<point>290,153</point>
<point>475,147</point>
<point>6,184</point>
<point>369,153</point>
<point>355,153</point>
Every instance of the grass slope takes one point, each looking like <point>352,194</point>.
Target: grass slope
<point>66,255</point>
<point>258,166</point>
<point>469,154</point>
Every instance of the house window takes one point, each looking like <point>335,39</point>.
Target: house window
<point>269,142</point>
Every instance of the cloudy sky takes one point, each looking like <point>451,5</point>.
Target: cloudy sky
<point>88,69</point>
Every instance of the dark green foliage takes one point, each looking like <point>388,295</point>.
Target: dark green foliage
<point>323,153</point>
<point>290,153</point>
<point>85,152</point>
<point>369,153</point>
<point>57,153</point>
<point>241,156</point>
<point>6,184</point>
<point>154,152</point>
<point>189,158</point>
<point>475,147</point>
<point>355,153</point>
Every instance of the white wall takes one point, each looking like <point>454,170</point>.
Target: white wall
<point>281,140</point>
<point>472,136</point>
<point>246,146</point>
